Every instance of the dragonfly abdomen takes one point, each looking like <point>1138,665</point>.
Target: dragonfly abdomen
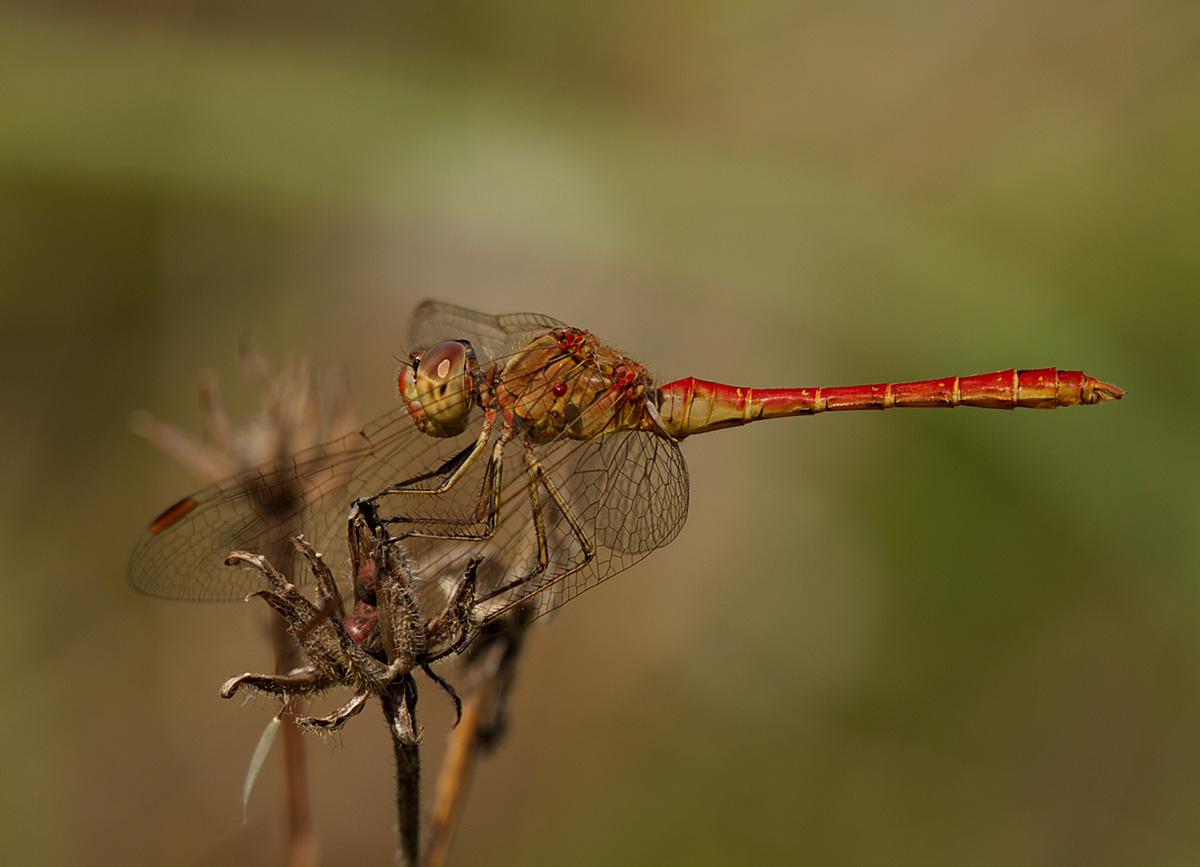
<point>692,405</point>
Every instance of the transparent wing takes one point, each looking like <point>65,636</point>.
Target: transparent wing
<point>547,520</point>
<point>602,505</point>
<point>491,336</point>
<point>181,555</point>
<point>596,508</point>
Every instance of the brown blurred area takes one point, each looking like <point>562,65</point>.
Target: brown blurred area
<point>912,638</point>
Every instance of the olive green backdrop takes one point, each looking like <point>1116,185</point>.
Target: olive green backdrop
<point>911,638</point>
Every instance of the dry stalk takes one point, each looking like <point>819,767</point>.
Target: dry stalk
<point>289,421</point>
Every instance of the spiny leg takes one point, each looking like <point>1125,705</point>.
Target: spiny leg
<point>538,475</point>
<point>445,684</point>
<point>486,509</point>
<point>464,464</point>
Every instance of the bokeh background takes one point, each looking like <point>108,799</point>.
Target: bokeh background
<point>911,638</point>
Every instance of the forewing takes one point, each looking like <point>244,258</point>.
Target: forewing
<point>181,555</point>
<point>491,336</point>
<point>545,521</point>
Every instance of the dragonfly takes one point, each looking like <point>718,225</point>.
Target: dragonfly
<point>524,451</point>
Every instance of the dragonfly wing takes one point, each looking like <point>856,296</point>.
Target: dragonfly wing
<point>624,493</point>
<point>546,521</point>
<point>182,554</point>
<point>492,336</point>
<point>590,509</point>
<point>630,488</point>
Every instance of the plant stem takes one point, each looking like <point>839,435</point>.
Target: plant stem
<point>400,711</point>
<point>301,843</point>
<point>491,666</point>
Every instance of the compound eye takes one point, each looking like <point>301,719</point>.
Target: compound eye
<point>444,387</point>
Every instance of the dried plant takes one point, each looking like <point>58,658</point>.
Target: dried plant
<point>372,650</point>
<point>527,463</point>
<point>290,421</point>
<point>488,667</point>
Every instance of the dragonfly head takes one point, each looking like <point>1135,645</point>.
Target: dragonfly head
<point>438,387</point>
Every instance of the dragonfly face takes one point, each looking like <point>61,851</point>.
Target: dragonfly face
<point>438,387</point>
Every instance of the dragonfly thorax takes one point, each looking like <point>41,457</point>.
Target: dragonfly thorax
<point>438,387</point>
<point>567,384</point>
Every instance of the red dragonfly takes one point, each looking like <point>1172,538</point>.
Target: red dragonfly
<point>526,445</point>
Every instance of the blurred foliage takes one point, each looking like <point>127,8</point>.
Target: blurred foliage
<point>912,638</point>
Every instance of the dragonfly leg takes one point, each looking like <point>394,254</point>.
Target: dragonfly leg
<point>456,466</point>
<point>537,476</point>
<point>485,510</point>
<point>445,684</point>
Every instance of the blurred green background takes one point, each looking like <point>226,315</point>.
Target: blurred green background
<point>911,638</point>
